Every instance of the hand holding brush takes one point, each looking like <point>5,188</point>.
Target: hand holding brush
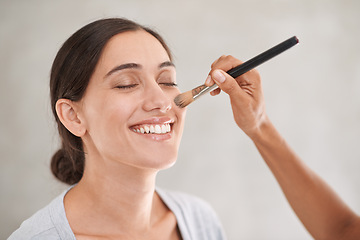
<point>184,99</point>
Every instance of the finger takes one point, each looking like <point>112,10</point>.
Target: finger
<point>209,82</point>
<point>217,60</point>
<point>227,83</point>
<point>215,92</point>
<point>225,63</point>
<point>250,83</point>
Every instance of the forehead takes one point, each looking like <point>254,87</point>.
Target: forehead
<point>133,46</point>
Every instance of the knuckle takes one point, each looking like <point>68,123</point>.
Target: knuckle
<point>231,89</point>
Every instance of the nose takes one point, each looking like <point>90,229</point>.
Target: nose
<point>156,99</point>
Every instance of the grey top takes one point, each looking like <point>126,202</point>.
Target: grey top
<point>195,219</point>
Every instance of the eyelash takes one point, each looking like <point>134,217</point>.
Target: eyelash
<point>171,84</point>
<point>127,86</point>
<point>134,85</point>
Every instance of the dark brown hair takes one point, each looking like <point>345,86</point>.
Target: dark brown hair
<point>70,74</point>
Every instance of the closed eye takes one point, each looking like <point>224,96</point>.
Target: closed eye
<point>126,86</point>
<point>170,84</point>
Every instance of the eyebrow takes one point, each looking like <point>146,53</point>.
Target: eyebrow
<point>122,67</point>
<point>167,64</point>
<point>136,66</point>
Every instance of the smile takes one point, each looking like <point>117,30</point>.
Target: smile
<point>152,129</point>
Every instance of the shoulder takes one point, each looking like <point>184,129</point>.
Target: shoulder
<point>197,215</point>
<point>186,202</point>
<point>48,223</point>
<point>37,226</point>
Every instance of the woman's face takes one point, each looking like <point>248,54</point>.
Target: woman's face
<point>128,106</point>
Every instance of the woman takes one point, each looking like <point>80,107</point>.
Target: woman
<point>113,101</point>
<point>112,89</point>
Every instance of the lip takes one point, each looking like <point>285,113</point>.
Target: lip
<point>157,137</point>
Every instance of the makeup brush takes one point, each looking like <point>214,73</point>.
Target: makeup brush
<point>184,99</point>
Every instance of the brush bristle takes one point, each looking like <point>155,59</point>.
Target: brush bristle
<point>184,99</point>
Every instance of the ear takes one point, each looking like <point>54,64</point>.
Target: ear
<point>69,116</point>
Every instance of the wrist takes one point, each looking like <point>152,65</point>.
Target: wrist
<point>264,133</point>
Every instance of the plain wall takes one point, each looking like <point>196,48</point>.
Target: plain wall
<point>312,95</point>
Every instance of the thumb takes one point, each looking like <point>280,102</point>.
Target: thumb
<point>226,83</point>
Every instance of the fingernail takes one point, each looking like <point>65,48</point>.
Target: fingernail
<point>218,76</point>
<point>208,80</point>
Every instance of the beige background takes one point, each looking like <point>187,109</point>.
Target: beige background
<point>312,93</point>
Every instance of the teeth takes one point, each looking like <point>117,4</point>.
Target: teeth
<point>163,128</point>
<point>147,129</point>
<point>152,129</point>
<point>157,129</point>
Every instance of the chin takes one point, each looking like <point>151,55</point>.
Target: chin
<point>165,164</point>
<point>159,161</point>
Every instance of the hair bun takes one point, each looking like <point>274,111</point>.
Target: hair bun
<point>64,168</point>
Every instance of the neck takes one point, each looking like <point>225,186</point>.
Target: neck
<point>121,193</point>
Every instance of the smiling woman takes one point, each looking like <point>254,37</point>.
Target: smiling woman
<point>73,67</point>
<point>112,88</point>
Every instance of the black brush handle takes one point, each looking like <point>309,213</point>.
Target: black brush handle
<point>263,57</point>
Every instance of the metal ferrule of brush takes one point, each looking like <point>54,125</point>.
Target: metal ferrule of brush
<point>201,90</point>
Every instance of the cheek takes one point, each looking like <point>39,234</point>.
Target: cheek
<point>122,107</point>
<point>180,113</point>
<point>108,114</point>
<point>171,94</point>
<point>108,125</point>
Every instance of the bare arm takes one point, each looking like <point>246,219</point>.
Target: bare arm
<point>318,207</point>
